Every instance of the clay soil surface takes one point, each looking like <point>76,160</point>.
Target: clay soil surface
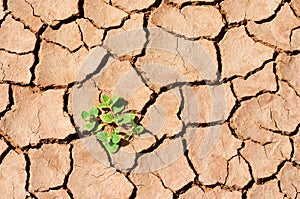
<point>254,53</point>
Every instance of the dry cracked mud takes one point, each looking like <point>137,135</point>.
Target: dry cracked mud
<point>251,147</point>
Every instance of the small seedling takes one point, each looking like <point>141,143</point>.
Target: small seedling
<point>109,123</point>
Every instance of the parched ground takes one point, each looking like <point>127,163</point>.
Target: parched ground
<point>255,50</point>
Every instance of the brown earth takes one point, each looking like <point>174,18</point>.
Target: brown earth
<point>255,50</point>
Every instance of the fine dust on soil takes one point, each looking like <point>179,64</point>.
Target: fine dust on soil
<point>255,46</point>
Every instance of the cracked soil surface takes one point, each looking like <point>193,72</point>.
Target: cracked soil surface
<point>254,48</point>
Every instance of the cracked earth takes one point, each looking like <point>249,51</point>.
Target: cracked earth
<point>254,47</point>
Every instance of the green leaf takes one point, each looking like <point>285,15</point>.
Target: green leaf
<point>115,138</point>
<point>117,105</point>
<point>102,106</point>
<point>106,99</point>
<point>90,126</point>
<point>139,129</point>
<point>94,111</point>
<point>126,118</point>
<point>117,130</point>
<point>107,118</point>
<point>117,109</point>
<point>85,115</point>
<point>100,127</point>
<point>132,116</point>
<point>126,137</point>
<point>115,99</point>
<point>112,148</point>
<point>118,119</point>
<point>102,136</point>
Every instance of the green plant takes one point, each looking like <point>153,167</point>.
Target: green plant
<point>110,124</point>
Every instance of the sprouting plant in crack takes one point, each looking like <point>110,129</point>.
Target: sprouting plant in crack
<point>110,124</point>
